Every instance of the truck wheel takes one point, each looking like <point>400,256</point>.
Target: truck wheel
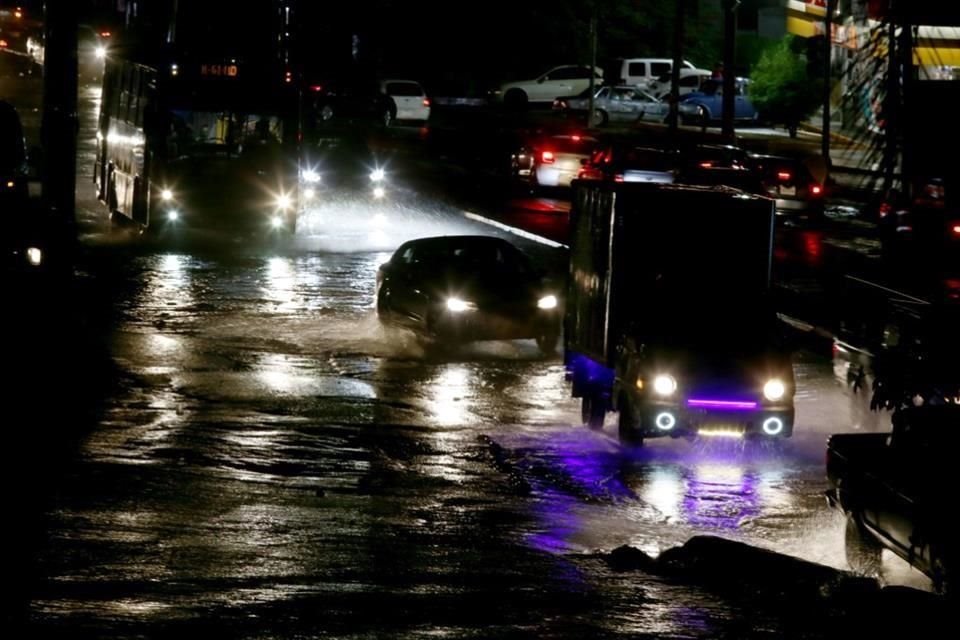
<point>628,427</point>
<point>862,550</point>
<point>592,411</point>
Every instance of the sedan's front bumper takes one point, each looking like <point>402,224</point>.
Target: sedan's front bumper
<point>477,325</point>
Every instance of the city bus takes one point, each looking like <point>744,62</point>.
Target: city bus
<point>199,121</point>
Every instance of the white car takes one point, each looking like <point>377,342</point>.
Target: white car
<point>558,159</point>
<point>567,80</point>
<point>406,99</point>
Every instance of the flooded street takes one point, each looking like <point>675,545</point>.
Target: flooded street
<point>216,437</point>
<point>271,463</point>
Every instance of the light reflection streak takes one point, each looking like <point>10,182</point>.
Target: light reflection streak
<point>449,396</point>
<point>281,284</point>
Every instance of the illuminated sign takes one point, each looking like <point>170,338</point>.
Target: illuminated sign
<point>224,70</point>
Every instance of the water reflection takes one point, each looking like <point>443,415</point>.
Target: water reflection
<point>449,395</point>
<point>597,497</point>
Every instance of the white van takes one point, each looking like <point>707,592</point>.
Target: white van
<point>643,71</point>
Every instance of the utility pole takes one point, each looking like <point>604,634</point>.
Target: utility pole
<point>729,60</point>
<point>827,54</point>
<point>678,30</point>
<point>593,63</point>
<point>60,121</point>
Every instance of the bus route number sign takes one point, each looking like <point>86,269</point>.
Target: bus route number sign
<point>219,70</point>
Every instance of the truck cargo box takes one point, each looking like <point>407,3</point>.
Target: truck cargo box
<point>632,243</point>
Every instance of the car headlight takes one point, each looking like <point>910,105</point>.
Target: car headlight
<point>34,256</point>
<point>547,302</point>
<point>309,193</point>
<point>276,222</point>
<point>284,202</point>
<point>377,175</point>
<point>774,389</point>
<point>311,176</point>
<point>664,384</point>
<point>166,195</point>
<point>173,215</point>
<point>379,192</point>
<point>457,305</point>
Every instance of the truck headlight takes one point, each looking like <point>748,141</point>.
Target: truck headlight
<point>457,305</point>
<point>774,389</point>
<point>547,302</point>
<point>664,384</point>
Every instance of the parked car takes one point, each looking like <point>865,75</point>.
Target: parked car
<point>622,103</point>
<point>560,81</point>
<point>455,289</point>
<point>623,161</point>
<point>558,159</point>
<point>13,161</point>
<point>690,81</point>
<point>896,489</point>
<point>706,105</point>
<point>27,248</point>
<point>332,102</point>
<point>405,100</point>
<point>789,181</point>
<point>642,72</point>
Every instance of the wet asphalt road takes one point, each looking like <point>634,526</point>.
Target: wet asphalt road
<point>244,452</point>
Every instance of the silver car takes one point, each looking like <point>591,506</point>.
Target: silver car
<point>620,103</point>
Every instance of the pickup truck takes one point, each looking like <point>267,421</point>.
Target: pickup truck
<point>896,490</point>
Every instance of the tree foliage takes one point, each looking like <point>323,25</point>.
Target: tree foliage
<point>781,87</point>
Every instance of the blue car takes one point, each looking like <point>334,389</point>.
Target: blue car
<point>706,106</point>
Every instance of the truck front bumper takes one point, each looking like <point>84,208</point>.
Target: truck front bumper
<point>678,420</point>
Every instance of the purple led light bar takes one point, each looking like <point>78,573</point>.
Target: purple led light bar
<point>722,405</point>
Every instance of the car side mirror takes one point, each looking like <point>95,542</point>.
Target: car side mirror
<point>540,80</point>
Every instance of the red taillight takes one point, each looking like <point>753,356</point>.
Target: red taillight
<point>575,138</point>
<point>316,87</point>
<point>956,229</point>
<point>288,77</point>
<point>706,165</point>
<point>885,209</point>
<point>547,157</point>
<point>816,190</point>
<point>105,34</point>
<point>11,184</point>
<point>4,44</point>
<point>426,102</point>
<point>784,176</point>
<point>618,177</point>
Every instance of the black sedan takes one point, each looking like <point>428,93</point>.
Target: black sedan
<point>455,289</point>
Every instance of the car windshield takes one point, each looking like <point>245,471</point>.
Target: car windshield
<point>472,255</point>
<point>404,89</point>
<point>570,144</point>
